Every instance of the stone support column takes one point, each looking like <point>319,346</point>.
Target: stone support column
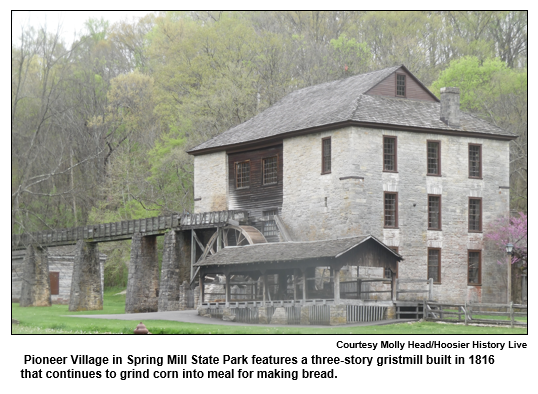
<point>35,290</point>
<point>143,281</point>
<point>169,295</point>
<point>86,290</point>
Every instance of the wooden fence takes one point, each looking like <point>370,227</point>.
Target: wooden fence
<point>428,291</point>
<point>474,313</point>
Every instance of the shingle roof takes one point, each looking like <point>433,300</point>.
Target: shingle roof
<point>281,252</point>
<point>339,101</point>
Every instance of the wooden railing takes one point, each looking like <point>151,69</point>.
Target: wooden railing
<point>354,289</point>
<point>125,229</point>
<point>421,282</point>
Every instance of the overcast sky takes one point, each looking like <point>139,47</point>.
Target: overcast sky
<point>71,21</point>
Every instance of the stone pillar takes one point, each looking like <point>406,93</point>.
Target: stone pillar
<point>228,315</point>
<point>183,248</point>
<point>35,290</point>
<point>86,290</point>
<point>279,316</point>
<point>305,315</point>
<point>169,297</point>
<point>262,315</point>
<point>390,313</point>
<point>143,281</point>
<point>338,315</point>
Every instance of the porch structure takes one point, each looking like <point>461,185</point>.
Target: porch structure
<point>306,282</point>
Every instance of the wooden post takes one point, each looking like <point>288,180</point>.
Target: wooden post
<point>424,311</point>
<point>430,289</point>
<point>304,285</point>
<point>295,272</point>
<point>227,288</point>
<point>202,276</point>
<point>465,310</point>
<point>359,286</point>
<point>511,314</point>
<point>336,272</point>
<point>392,279</point>
<point>264,281</point>
<point>193,255</point>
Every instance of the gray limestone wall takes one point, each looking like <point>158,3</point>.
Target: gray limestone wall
<point>210,182</point>
<point>319,206</point>
<point>61,261</point>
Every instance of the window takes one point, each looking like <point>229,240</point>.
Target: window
<point>475,161</point>
<point>400,85</point>
<point>434,158</point>
<point>475,214</point>
<point>326,155</point>
<point>270,165</point>
<point>269,226</point>
<point>242,174</point>
<point>474,262</point>
<point>434,212</point>
<point>389,154</point>
<point>434,264</point>
<point>391,210</point>
<point>54,278</point>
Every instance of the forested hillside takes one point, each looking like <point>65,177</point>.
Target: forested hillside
<point>99,128</point>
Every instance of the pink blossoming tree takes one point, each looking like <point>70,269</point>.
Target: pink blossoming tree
<point>510,230</point>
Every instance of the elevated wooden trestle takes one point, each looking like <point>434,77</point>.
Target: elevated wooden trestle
<point>147,290</point>
<point>123,230</point>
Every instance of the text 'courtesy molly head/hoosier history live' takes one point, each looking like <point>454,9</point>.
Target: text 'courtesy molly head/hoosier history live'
<point>338,360</point>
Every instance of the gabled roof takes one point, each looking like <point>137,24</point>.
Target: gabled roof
<point>345,102</point>
<point>282,252</point>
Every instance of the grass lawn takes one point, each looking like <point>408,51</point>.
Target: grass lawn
<point>51,321</point>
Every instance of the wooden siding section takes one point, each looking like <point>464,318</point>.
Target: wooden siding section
<point>413,90</point>
<point>257,197</point>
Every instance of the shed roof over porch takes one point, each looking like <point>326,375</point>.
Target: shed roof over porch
<point>237,257</point>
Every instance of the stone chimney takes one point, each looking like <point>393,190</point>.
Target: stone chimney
<point>450,106</point>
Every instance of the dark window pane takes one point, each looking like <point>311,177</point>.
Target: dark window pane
<point>389,154</point>
<point>475,212</point>
<point>474,267</point>
<point>433,158</point>
<point>434,212</point>
<point>434,264</point>
<point>326,155</point>
<point>269,226</point>
<point>390,210</point>
<point>270,170</point>
<point>242,174</point>
<point>475,161</point>
<point>400,85</point>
